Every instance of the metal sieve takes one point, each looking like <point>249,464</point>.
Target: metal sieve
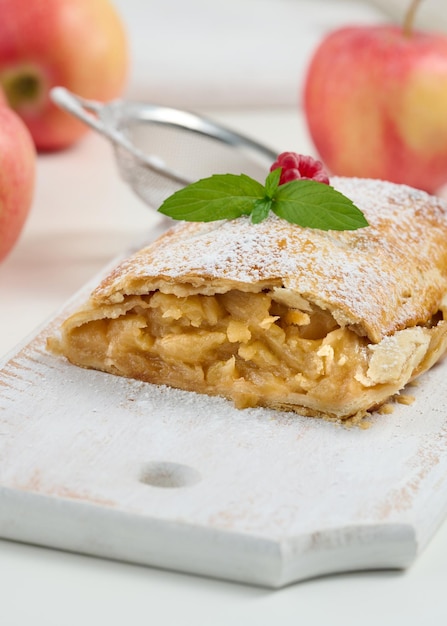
<point>160,149</point>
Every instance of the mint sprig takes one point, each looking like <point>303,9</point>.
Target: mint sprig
<point>307,203</point>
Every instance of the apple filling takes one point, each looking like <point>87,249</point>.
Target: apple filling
<point>258,349</point>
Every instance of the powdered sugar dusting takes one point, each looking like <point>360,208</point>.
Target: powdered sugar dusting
<point>380,278</point>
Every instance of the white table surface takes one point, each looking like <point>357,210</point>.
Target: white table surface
<point>83,215</point>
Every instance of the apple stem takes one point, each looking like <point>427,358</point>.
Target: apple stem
<point>409,18</point>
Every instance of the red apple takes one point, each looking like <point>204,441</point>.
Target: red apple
<point>78,44</point>
<point>17,174</point>
<point>375,100</point>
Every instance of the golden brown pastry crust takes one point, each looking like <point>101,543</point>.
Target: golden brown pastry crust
<point>373,282</point>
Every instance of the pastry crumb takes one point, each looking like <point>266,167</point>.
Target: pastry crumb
<point>386,409</point>
<point>405,399</point>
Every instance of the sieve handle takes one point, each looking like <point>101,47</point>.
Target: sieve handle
<point>87,111</point>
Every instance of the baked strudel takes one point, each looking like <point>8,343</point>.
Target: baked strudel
<point>325,323</point>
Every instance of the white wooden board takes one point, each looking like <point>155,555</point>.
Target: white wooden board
<point>102,465</point>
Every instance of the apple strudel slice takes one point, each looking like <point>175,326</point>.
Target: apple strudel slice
<point>325,323</point>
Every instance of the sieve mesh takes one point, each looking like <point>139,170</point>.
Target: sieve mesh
<point>190,153</point>
<point>158,149</point>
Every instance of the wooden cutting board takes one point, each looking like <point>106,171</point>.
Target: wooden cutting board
<point>116,468</point>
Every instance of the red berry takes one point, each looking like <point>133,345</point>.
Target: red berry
<point>298,166</point>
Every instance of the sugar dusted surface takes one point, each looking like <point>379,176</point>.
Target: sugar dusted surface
<point>381,278</point>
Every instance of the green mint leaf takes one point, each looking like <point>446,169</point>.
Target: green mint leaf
<point>221,196</point>
<point>307,203</point>
<point>272,182</point>
<point>261,210</point>
<point>312,204</point>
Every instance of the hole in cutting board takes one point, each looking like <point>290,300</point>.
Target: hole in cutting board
<point>169,475</point>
